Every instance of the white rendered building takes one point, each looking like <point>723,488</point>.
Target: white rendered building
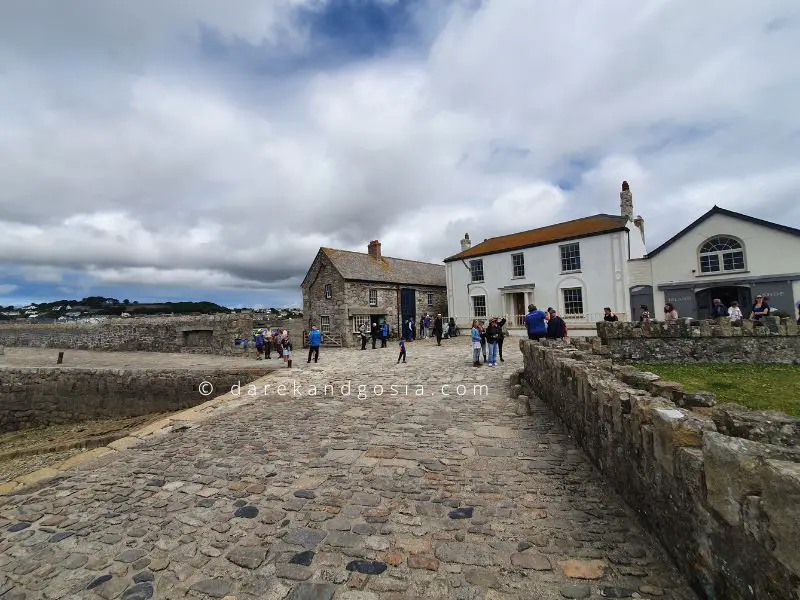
<point>577,267</point>
<point>581,266</point>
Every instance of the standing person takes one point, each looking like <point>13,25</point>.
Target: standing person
<point>718,310</point>
<point>438,329</point>
<point>402,351</point>
<point>375,332</point>
<point>422,330</point>
<point>267,343</point>
<point>492,335</point>
<point>451,327</point>
<point>314,341</point>
<point>645,316</point>
<point>362,331</point>
<point>384,333</point>
<point>556,326</point>
<point>760,309</point>
<point>287,351</point>
<point>535,321</point>
<point>482,327</point>
<point>609,316</point>
<point>476,344</point>
<point>259,344</point>
<point>501,324</point>
<point>428,325</point>
<point>670,314</point>
<point>735,313</point>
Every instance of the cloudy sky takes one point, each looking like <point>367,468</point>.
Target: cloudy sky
<point>200,149</point>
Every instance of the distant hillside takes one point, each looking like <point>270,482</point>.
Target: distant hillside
<point>100,306</point>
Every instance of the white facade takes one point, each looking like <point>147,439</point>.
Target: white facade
<point>769,264</point>
<point>578,294</point>
<point>722,255</point>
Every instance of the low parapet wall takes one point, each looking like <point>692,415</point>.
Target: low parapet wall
<point>207,334</point>
<point>774,341</point>
<point>726,508</point>
<point>37,397</point>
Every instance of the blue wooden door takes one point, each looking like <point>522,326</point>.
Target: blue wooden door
<point>408,306</point>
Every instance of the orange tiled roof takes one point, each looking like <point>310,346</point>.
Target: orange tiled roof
<point>585,227</point>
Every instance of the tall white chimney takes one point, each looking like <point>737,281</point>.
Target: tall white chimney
<point>466,244</point>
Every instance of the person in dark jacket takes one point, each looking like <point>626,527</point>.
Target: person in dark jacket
<point>375,331</point>
<point>501,323</point>
<point>438,329</point>
<point>556,327</point>
<point>451,327</point>
<point>718,310</point>
<point>492,334</point>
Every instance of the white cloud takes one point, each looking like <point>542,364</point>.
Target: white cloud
<point>7,288</point>
<point>156,167</point>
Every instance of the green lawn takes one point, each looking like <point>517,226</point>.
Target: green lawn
<point>759,387</point>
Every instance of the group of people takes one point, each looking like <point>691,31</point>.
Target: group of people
<point>545,324</point>
<point>428,327</point>
<point>283,345</point>
<point>490,338</point>
<point>759,310</point>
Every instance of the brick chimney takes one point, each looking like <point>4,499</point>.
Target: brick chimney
<point>374,249</point>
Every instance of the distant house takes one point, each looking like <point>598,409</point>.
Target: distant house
<point>344,289</point>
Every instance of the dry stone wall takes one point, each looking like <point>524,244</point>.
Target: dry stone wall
<point>206,334</point>
<point>721,489</point>
<point>774,341</point>
<point>37,397</point>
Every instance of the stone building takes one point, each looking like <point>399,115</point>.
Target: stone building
<point>344,289</point>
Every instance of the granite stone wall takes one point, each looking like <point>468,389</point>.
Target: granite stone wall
<point>37,397</point>
<point>204,334</point>
<point>719,487</point>
<point>774,341</point>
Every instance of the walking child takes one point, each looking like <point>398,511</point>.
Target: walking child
<point>402,351</point>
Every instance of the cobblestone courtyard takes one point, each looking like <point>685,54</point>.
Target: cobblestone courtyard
<point>335,496</point>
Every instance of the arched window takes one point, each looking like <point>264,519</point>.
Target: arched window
<point>721,253</point>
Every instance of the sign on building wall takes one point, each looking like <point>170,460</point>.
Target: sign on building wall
<point>683,299</point>
<point>779,294</point>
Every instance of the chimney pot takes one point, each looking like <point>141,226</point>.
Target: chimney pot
<point>466,244</point>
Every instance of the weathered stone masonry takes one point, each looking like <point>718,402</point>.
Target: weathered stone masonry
<point>726,508</point>
<point>776,341</point>
<point>206,334</point>
<point>35,397</point>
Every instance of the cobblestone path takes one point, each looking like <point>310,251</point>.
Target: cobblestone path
<point>320,497</point>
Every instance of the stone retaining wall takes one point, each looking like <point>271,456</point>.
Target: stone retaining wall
<point>36,397</point>
<point>205,334</point>
<point>726,508</point>
<point>774,341</point>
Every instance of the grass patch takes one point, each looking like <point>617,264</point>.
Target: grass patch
<point>758,387</point>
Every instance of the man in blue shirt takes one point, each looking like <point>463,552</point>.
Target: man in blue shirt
<point>536,322</point>
<point>314,341</point>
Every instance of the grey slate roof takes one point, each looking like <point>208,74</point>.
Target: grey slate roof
<point>361,266</point>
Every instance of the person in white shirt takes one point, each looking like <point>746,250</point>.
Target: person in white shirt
<point>735,313</point>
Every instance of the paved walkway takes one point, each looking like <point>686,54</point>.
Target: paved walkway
<point>320,497</point>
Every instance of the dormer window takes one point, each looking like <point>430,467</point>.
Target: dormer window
<point>721,254</point>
